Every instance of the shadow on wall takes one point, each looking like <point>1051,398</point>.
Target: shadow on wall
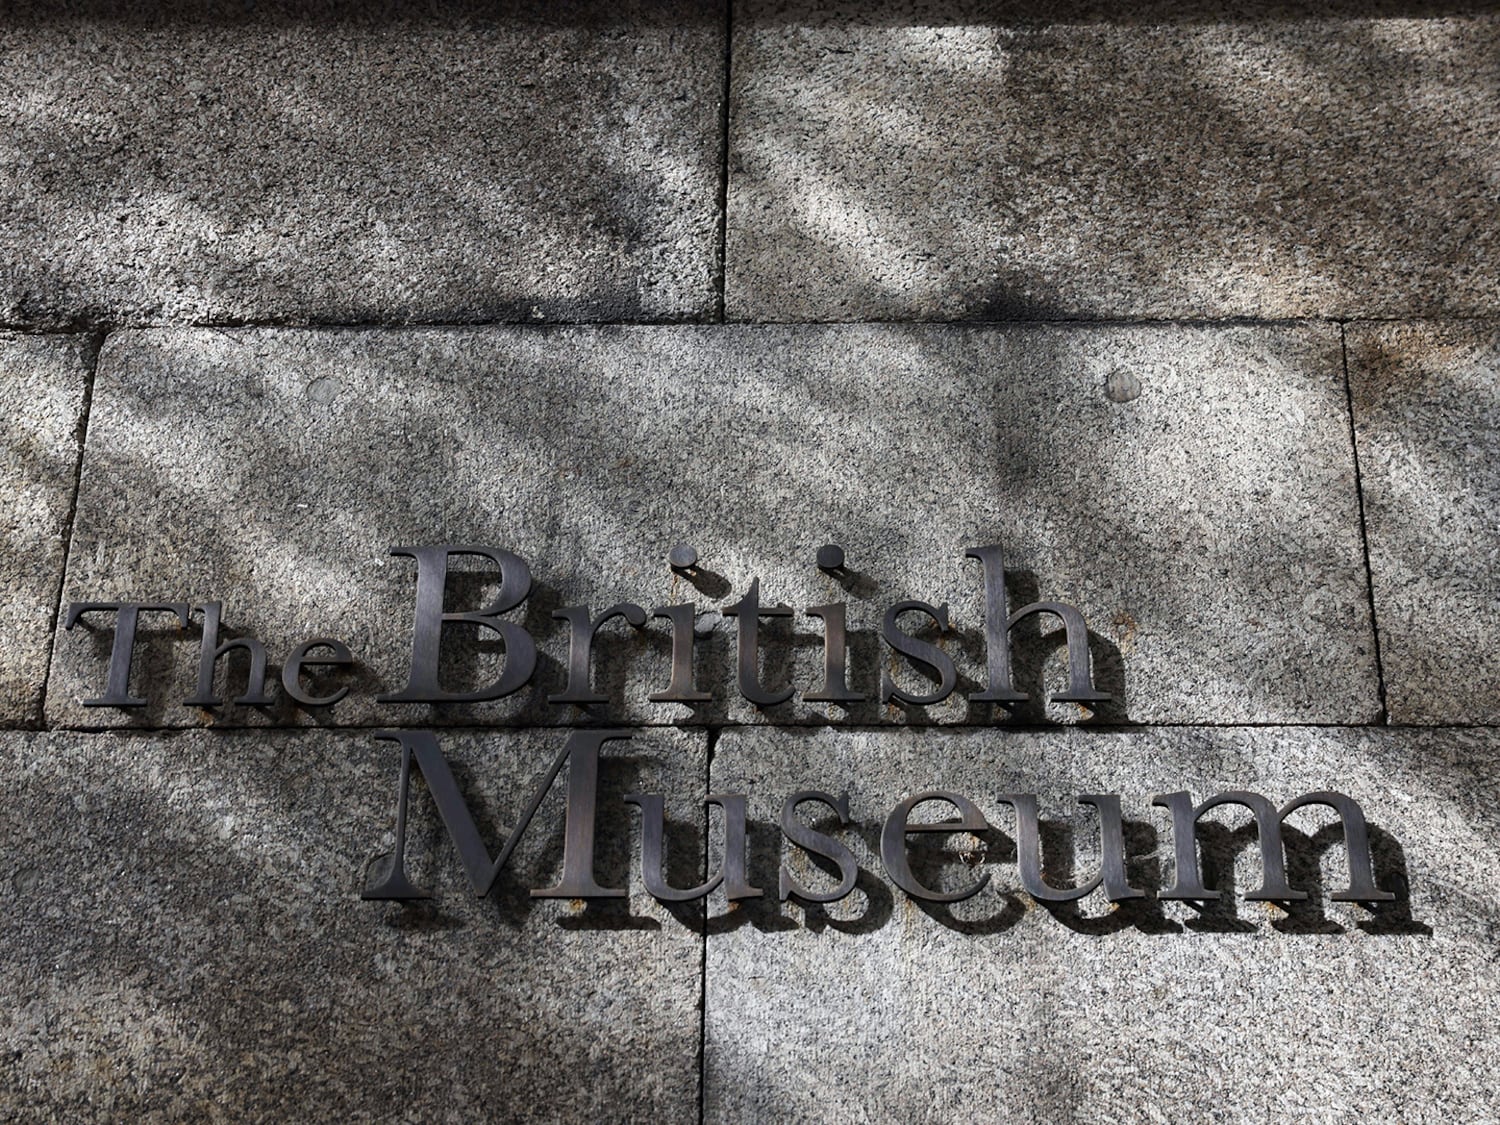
<point>1208,530</point>
<point>353,13</point>
<point>345,163</point>
<point>229,162</point>
<point>1426,410</point>
<point>247,973</point>
<point>903,13</point>
<point>471,658</point>
<point>952,862</point>
<point>1106,161</point>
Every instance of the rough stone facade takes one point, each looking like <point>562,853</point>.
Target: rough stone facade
<point>1190,308</point>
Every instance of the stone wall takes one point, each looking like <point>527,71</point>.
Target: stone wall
<point>1192,308</point>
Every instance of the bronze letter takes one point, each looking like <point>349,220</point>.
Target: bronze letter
<point>818,844</point>
<point>997,627</point>
<point>122,652</point>
<point>749,610</point>
<point>893,844</point>
<point>427,632</point>
<point>920,651</point>
<point>578,841</point>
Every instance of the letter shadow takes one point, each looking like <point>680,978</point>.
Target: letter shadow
<point>537,861</point>
<point>707,582</point>
<point>1031,648</point>
<point>855,583</point>
<point>471,657</point>
<point>151,669</point>
<point>694,851</point>
<point>161,650</point>
<point>1142,871</point>
<point>630,664</point>
<point>1391,875</point>
<point>765,848</point>
<point>941,868</point>
<point>957,643</point>
<point>1219,846</point>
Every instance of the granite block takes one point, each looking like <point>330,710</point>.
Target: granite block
<point>43,380</point>
<point>340,162</point>
<point>186,938</point>
<point>965,160</point>
<point>1427,415</point>
<point>996,1008</point>
<point>1190,490</point>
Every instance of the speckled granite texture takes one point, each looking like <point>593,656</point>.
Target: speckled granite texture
<point>1189,308</point>
<point>899,161</point>
<point>43,383</point>
<point>907,445</point>
<point>186,940</point>
<point>1241,1010</point>
<point>351,162</point>
<point>1427,416</point>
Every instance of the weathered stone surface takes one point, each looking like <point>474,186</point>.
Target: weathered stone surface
<point>43,379</point>
<point>963,160</point>
<point>1191,490</point>
<point>354,162</point>
<point>997,1009</point>
<point>184,938</point>
<point>1427,416</point>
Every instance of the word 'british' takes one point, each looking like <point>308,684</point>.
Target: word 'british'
<point>431,622</point>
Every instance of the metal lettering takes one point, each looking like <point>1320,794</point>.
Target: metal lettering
<point>581,644</point>
<point>919,651</point>
<point>1189,878</point>
<point>835,687</point>
<point>653,845</point>
<point>291,672</point>
<point>209,655</point>
<point>1356,845</point>
<point>749,611</point>
<point>581,750</point>
<point>1112,850</point>
<point>997,627</point>
<point>432,581</point>
<point>1188,883</point>
<point>680,688</point>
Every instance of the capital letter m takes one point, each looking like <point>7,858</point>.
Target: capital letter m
<point>577,880</point>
